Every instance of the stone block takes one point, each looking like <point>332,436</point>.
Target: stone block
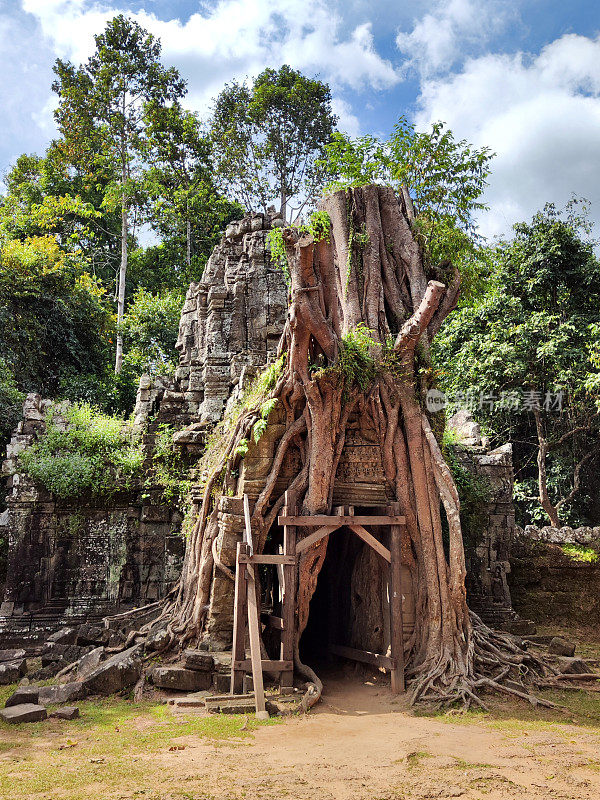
<point>198,660</point>
<point>520,627</point>
<point>12,672</point>
<point>181,679</point>
<point>63,636</point>
<point>11,655</point>
<point>155,514</point>
<point>61,693</point>
<point>119,672</point>
<point>89,662</point>
<point>221,683</point>
<point>573,666</point>
<point>67,712</point>
<point>157,639</point>
<point>92,634</point>
<point>24,694</point>
<point>561,647</point>
<point>27,712</point>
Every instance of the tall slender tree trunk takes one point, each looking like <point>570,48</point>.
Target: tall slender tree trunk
<point>545,501</point>
<point>283,203</point>
<point>122,275</point>
<point>188,242</point>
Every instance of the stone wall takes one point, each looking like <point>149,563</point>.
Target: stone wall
<point>84,557</point>
<point>554,586</point>
<point>488,547</point>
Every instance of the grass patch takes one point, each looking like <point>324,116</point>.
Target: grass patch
<point>579,553</point>
<point>112,750</point>
<point>413,760</point>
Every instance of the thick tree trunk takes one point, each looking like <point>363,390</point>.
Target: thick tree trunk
<point>367,277</point>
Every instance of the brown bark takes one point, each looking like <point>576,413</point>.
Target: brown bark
<point>370,273</point>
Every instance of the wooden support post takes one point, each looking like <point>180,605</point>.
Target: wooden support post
<point>254,625</point>
<point>396,624</point>
<point>240,611</point>
<point>288,633</point>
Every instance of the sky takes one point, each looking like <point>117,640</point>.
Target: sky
<point>519,76</point>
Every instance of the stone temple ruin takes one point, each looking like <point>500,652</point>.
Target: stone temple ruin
<point>75,562</point>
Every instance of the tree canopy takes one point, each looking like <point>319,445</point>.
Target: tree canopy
<point>269,138</point>
<point>524,355</point>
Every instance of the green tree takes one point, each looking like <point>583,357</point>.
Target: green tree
<point>186,206</point>
<point>441,181</point>
<point>46,196</point>
<point>101,118</point>
<point>269,138</point>
<point>53,319</point>
<point>527,351</point>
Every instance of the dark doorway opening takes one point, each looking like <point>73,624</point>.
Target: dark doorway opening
<point>349,606</point>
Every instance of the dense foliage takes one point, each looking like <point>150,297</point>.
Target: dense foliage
<point>523,355</point>
<point>83,451</point>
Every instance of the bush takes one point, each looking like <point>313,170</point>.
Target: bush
<point>96,453</point>
<point>170,469</point>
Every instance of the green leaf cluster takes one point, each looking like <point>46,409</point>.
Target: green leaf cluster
<point>318,226</point>
<point>444,178</point>
<point>169,468</point>
<point>83,451</point>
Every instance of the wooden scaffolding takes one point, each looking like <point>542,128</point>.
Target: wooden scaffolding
<point>247,616</point>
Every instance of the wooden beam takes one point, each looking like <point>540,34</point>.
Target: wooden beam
<point>253,625</point>
<point>396,621</point>
<point>240,615</point>
<point>268,559</point>
<point>371,541</point>
<point>326,519</point>
<point>267,664</point>
<point>364,656</point>
<point>273,621</point>
<point>314,537</point>
<point>288,602</point>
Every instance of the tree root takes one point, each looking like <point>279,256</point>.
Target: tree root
<point>314,688</point>
<point>499,663</point>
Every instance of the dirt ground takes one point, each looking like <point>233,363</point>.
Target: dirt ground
<point>359,744</point>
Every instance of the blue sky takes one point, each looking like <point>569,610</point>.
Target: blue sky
<point>521,76</point>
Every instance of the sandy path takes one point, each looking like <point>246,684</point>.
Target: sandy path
<point>355,747</point>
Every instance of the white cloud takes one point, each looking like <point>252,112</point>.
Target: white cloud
<point>540,114</point>
<point>24,88</point>
<point>441,37</point>
<point>233,40</point>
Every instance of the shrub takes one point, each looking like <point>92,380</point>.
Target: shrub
<point>95,453</point>
<point>170,469</point>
